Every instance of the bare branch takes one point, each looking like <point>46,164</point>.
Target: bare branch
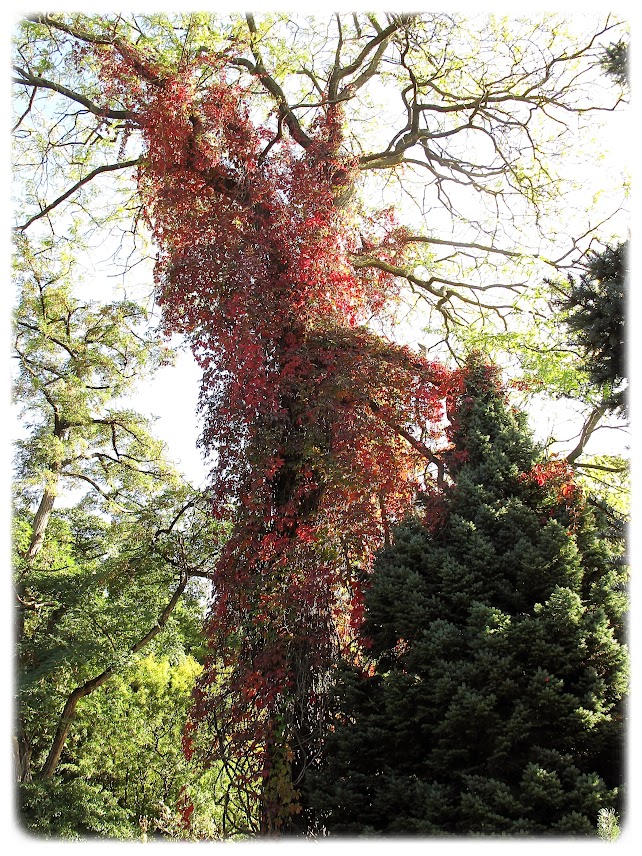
<point>588,428</point>
<point>472,245</point>
<point>26,112</point>
<point>28,79</point>
<point>89,177</point>
<point>99,490</point>
<point>440,287</point>
<point>602,467</point>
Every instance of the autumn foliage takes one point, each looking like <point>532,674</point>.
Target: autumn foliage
<point>320,432</point>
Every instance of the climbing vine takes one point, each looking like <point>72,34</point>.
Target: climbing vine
<point>320,432</point>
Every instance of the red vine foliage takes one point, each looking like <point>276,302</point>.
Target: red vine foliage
<point>310,418</point>
<point>561,493</point>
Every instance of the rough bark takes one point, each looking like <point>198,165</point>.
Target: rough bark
<point>40,523</point>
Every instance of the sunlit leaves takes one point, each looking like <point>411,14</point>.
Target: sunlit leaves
<point>74,360</point>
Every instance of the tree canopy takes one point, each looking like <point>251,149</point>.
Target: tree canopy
<point>338,208</point>
<point>99,578</point>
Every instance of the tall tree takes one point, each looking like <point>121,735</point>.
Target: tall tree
<point>97,581</point>
<point>74,360</point>
<point>489,699</point>
<point>248,173</point>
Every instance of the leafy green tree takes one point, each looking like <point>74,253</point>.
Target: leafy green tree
<point>495,701</point>
<point>74,360</point>
<point>124,773</point>
<point>100,590</point>
<point>130,739</point>
<point>101,578</point>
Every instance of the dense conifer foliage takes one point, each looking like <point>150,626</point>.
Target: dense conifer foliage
<point>596,309</point>
<point>490,701</point>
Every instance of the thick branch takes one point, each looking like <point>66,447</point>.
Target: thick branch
<point>168,529</point>
<point>69,710</point>
<point>40,523</point>
<point>416,444</point>
<point>28,79</point>
<point>126,49</point>
<point>589,426</point>
<point>48,499</point>
<point>379,41</point>
<point>444,289</point>
<point>76,32</point>
<point>89,177</point>
<point>291,121</point>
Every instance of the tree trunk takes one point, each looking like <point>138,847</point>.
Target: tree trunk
<point>589,426</point>
<point>64,724</point>
<point>22,745</point>
<point>41,519</point>
<point>40,523</point>
<point>22,756</point>
<point>69,710</point>
<point>283,774</point>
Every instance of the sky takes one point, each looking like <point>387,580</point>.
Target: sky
<point>172,394</point>
<point>172,397</point>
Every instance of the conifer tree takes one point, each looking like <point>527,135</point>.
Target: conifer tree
<point>492,703</point>
<point>594,310</point>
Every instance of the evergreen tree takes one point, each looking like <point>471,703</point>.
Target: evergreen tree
<point>615,62</point>
<point>495,706</point>
<point>595,310</point>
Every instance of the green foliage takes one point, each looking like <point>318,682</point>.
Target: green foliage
<point>124,773</point>
<point>594,312</point>
<point>504,580</point>
<point>127,738</point>
<point>99,586</point>
<point>607,825</point>
<point>496,703</point>
<point>615,61</point>
<point>71,809</point>
<point>75,359</point>
<point>95,585</point>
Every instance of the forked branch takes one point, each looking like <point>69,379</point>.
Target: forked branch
<point>89,177</point>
